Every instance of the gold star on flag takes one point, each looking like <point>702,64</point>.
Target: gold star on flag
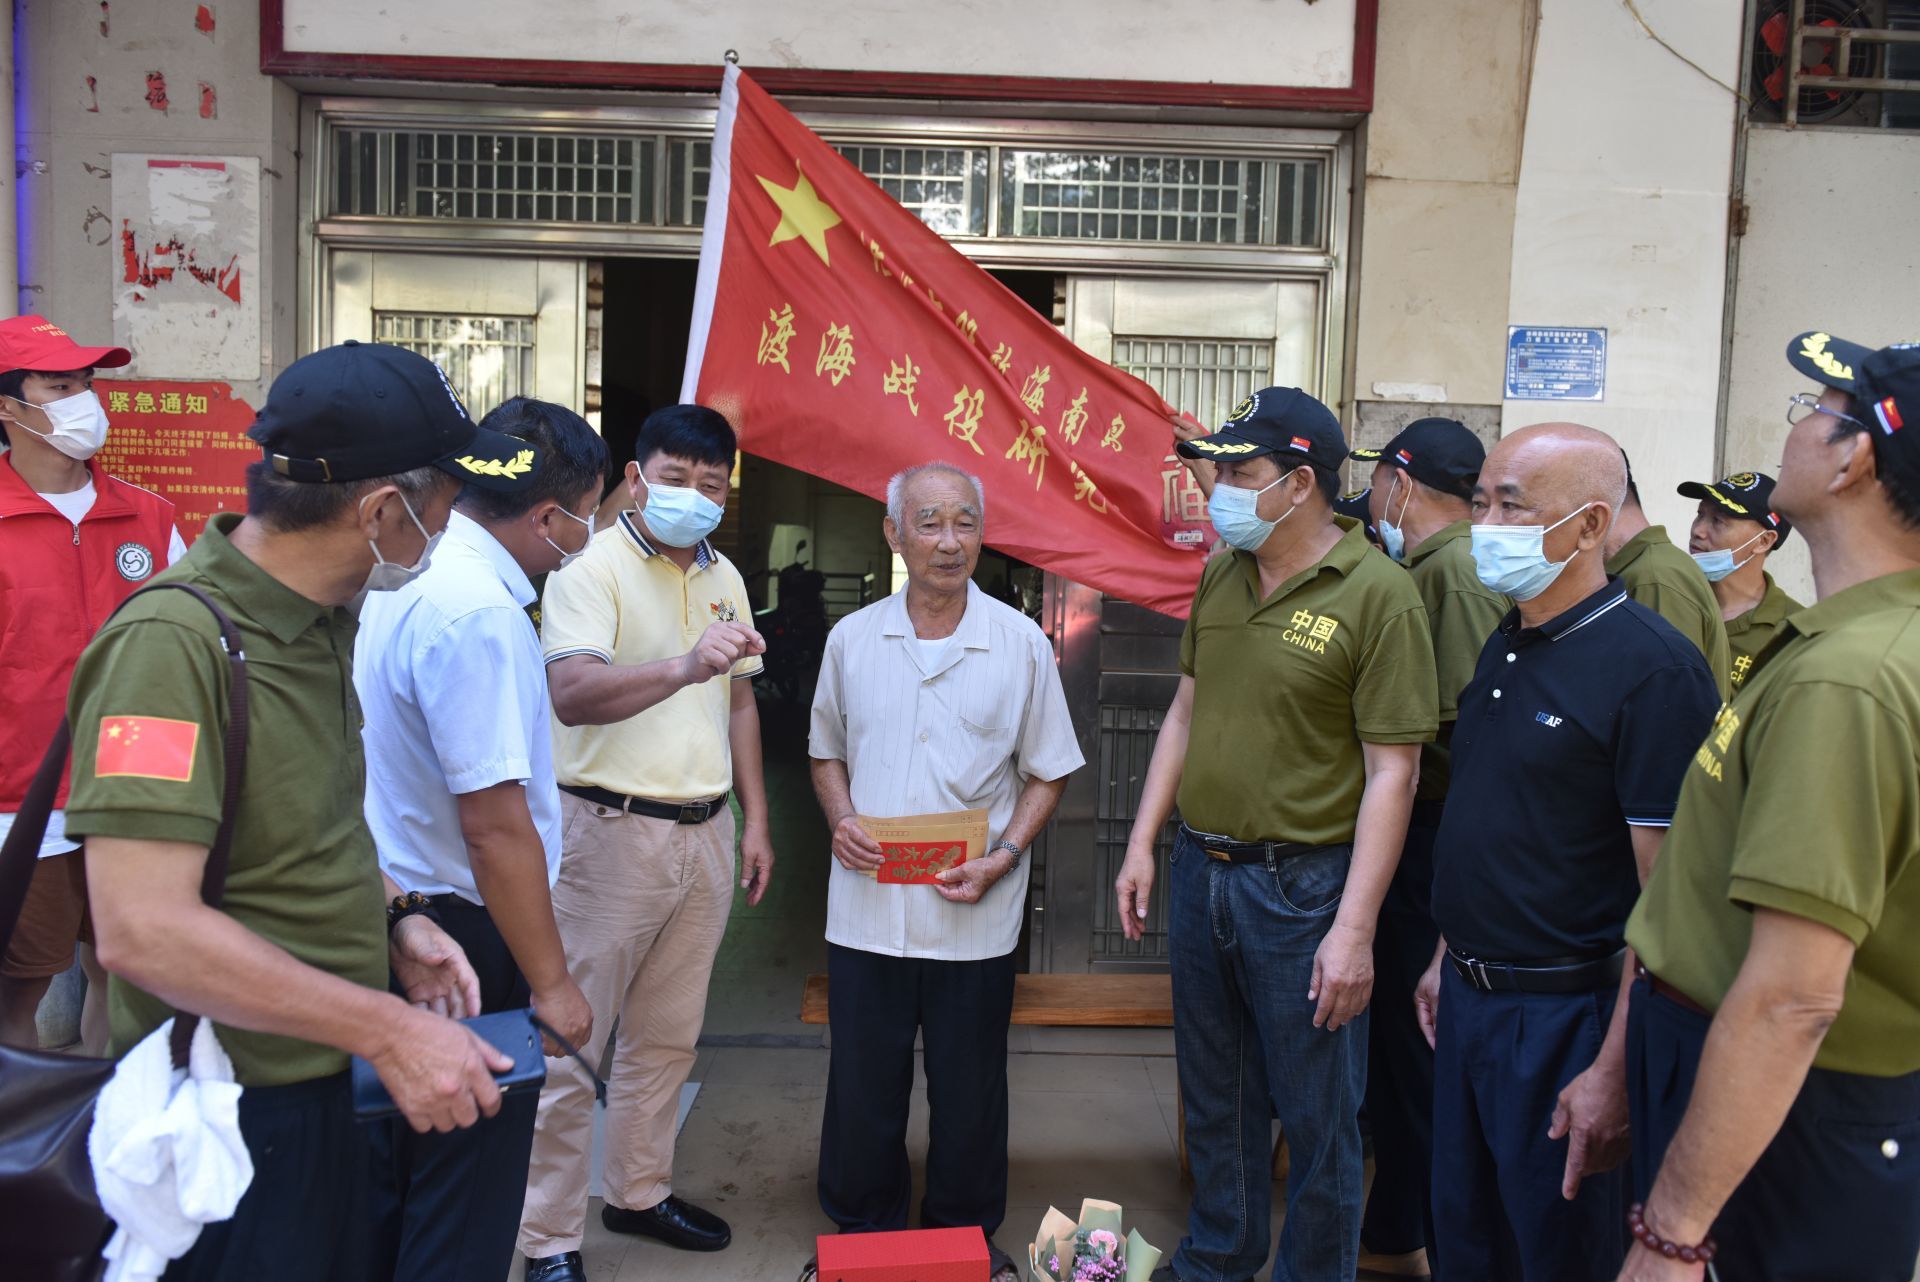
<point>113,732</point>
<point>803,214</point>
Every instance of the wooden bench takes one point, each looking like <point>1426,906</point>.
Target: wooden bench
<point>1076,1001</point>
<point>1059,1001</point>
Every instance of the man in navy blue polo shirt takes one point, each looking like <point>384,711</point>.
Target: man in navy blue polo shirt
<point>1571,742</point>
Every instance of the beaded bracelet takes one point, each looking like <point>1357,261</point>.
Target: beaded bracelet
<point>1637,1222</point>
<point>411,904</point>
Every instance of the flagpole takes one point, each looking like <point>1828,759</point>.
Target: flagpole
<point>713,232</point>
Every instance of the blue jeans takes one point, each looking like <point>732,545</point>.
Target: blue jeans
<point>1243,938</point>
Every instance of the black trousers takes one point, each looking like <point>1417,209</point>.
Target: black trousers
<point>1837,1192</point>
<point>447,1206</point>
<point>960,1009</point>
<point>1399,1214</point>
<point>304,1217</point>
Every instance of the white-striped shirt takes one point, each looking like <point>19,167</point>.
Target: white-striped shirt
<point>965,731</point>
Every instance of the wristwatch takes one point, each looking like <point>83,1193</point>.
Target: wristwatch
<point>1018,851</point>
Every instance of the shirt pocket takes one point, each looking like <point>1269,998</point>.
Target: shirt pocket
<point>980,752</point>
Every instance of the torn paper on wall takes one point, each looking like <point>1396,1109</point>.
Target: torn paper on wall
<point>186,264</point>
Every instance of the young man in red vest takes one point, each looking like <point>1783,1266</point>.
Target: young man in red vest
<point>73,543</point>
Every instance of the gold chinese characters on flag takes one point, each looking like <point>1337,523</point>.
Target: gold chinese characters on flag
<point>842,336</point>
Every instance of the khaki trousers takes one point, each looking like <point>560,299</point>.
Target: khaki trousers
<point>641,904</point>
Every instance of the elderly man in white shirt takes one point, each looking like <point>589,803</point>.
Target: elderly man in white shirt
<point>465,812</point>
<point>936,699</point>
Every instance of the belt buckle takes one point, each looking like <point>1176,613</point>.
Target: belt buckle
<point>1214,852</point>
<point>695,812</point>
<point>1481,981</point>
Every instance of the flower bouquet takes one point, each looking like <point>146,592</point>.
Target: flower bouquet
<point>1089,1250</point>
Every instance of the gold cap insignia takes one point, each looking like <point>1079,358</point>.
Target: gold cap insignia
<point>519,465</point>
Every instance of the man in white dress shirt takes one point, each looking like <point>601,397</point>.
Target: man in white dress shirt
<point>465,810</point>
<point>936,699</point>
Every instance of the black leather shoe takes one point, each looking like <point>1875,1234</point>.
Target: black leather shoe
<point>564,1267</point>
<point>674,1222</point>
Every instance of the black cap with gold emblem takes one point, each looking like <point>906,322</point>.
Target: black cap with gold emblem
<point>361,410</point>
<point>1283,421</point>
<point>1884,383</point>
<point>1745,495</point>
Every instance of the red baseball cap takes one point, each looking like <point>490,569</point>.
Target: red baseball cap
<point>34,342</point>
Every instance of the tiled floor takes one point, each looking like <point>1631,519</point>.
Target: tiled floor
<point>1083,1124</point>
<point>1092,1109</point>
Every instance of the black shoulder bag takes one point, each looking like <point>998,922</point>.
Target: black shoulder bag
<point>51,1224</point>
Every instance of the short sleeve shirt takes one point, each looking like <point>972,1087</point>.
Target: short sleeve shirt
<point>149,712</point>
<point>1462,612</point>
<point>624,602</point>
<point>1749,634</point>
<point>1805,799</point>
<point>1664,579</point>
<point>927,729</point>
<point>448,670</point>
<point>1286,689</point>
<point>1569,734</point>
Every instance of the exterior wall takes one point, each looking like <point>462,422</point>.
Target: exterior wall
<point>69,131</point>
<point>1621,222</point>
<point>1829,245</point>
<point>1436,225</point>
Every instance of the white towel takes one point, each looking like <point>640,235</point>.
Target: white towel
<point>166,1150</point>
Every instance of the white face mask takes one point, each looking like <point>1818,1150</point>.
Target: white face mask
<point>1235,516</point>
<point>1393,538</point>
<point>679,515</point>
<point>79,424</point>
<point>1512,559</point>
<point>387,575</point>
<point>568,558</point>
<point>1719,563</point>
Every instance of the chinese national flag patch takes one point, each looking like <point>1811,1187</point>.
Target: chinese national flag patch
<point>146,748</point>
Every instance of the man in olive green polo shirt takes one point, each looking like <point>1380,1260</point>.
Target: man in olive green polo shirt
<point>1307,687</point>
<point>1786,1123</point>
<point>293,965</point>
<point>1664,579</point>
<point>1734,533</point>
<point>1421,504</point>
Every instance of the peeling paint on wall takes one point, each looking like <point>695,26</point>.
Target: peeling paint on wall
<point>105,19</point>
<point>96,215</point>
<point>186,294</point>
<point>93,94</point>
<point>157,91</point>
<point>208,107</point>
<point>203,21</point>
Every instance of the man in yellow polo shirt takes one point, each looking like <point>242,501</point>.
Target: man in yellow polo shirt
<point>1774,1040</point>
<point>649,662</point>
<point>1292,743</point>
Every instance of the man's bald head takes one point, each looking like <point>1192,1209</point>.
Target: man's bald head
<point>1557,468</point>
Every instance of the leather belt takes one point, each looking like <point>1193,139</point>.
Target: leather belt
<point>1229,851</point>
<point>681,812</point>
<point>1552,975</point>
<point>1672,994</point>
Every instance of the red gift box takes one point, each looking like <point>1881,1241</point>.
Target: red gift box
<point>921,1255</point>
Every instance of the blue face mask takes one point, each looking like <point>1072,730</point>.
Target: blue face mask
<point>680,516</point>
<point>1393,539</point>
<point>1512,559</point>
<point>1233,513</point>
<point>1719,563</point>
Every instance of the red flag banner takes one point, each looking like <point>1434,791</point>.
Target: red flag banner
<point>844,337</point>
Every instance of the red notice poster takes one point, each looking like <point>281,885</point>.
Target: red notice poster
<point>187,442</point>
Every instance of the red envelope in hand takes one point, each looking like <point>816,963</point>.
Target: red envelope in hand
<point>918,863</point>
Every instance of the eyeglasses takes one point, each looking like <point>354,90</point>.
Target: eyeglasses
<point>1802,406</point>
